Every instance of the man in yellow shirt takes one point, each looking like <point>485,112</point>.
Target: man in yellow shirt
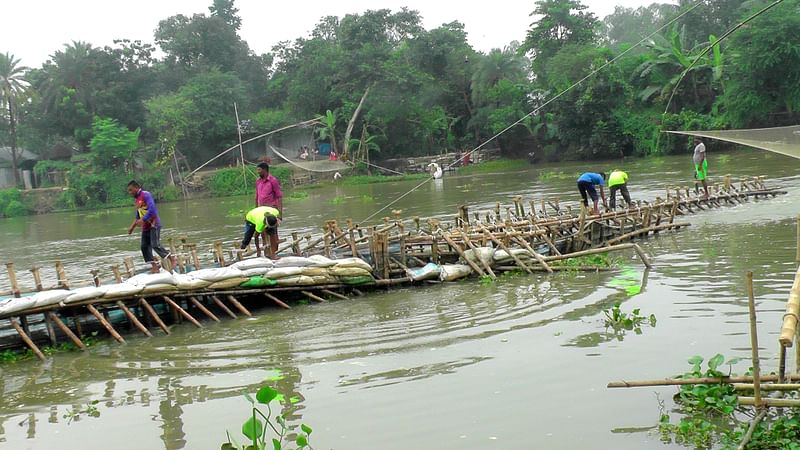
<point>618,181</point>
<point>262,221</point>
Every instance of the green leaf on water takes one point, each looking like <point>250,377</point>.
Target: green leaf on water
<point>280,398</point>
<point>633,290</point>
<point>294,399</point>
<point>227,446</point>
<point>266,394</point>
<point>276,444</point>
<point>733,361</point>
<point>253,428</point>
<point>696,359</point>
<point>301,440</point>
<point>306,429</point>
<point>715,361</point>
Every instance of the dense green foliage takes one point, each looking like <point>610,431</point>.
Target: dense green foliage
<point>131,110</point>
<point>12,204</point>
<point>235,181</point>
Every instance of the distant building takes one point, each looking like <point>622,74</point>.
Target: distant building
<point>25,162</point>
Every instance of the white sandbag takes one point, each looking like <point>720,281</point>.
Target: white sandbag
<point>504,256</point>
<point>187,282</point>
<point>324,279</point>
<point>293,261</point>
<point>149,279</point>
<point>321,261</point>
<point>47,298</point>
<point>283,272</point>
<point>122,290</point>
<point>349,271</point>
<point>230,283</point>
<point>312,271</point>
<point>85,293</point>
<point>427,272</point>
<point>254,272</point>
<point>452,272</point>
<point>484,254</point>
<point>253,263</point>
<point>353,262</point>
<point>298,280</point>
<point>217,273</point>
<point>13,305</point>
<point>159,289</point>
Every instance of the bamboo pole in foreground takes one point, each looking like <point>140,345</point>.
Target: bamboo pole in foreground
<point>27,340</point>
<point>751,429</point>
<point>792,314</point>
<point>134,320</point>
<point>154,315</point>
<point>751,302</point>
<point>65,329</point>
<point>181,311</point>
<point>239,306</point>
<point>703,380</point>
<point>221,305</point>
<point>105,323</point>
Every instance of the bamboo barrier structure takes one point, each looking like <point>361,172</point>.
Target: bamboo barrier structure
<point>533,239</point>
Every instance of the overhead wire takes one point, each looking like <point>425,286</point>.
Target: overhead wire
<point>539,108</point>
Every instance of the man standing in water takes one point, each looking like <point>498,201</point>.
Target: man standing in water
<point>268,193</point>
<point>147,218</point>
<point>586,185</point>
<point>618,181</point>
<point>700,164</point>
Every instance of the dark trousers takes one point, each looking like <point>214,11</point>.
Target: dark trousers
<point>249,232</point>
<point>622,188</point>
<point>587,190</point>
<point>151,242</point>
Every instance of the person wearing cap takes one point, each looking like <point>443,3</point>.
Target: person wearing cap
<point>262,221</point>
<point>586,186</point>
<point>618,181</point>
<point>147,218</point>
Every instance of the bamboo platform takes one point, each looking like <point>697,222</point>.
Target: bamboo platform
<point>534,235</point>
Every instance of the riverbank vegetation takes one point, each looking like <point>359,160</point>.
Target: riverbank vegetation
<point>99,116</point>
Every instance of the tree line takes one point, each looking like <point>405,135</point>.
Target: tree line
<point>122,107</point>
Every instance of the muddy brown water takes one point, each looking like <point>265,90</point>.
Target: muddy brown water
<point>522,363</point>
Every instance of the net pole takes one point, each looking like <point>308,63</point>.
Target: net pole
<point>241,148</point>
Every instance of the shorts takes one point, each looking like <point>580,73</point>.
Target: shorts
<point>701,173</point>
<point>586,187</point>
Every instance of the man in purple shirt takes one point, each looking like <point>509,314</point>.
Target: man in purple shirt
<point>147,218</point>
<point>268,193</point>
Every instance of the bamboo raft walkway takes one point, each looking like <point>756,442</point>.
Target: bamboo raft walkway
<point>532,237</point>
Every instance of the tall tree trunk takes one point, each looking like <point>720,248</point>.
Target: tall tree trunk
<point>352,122</point>
<point>13,124</point>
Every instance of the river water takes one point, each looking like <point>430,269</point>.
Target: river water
<point>522,363</point>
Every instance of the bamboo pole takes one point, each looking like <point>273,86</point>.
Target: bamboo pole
<point>797,255</point>
<point>536,255</point>
<point>474,249</point>
<point>37,278</point>
<point>652,228</point>
<point>223,306</point>
<point>792,314</point>
<point>128,261</point>
<point>27,340</point>
<point>767,387</point>
<point>65,329</point>
<point>133,319</point>
<point>314,297</point>
<point>277,301</point>
<point>12,278</point>
<point>506,249</point>
<point>181,311</point>
<point>754,339</point>
<point>770,402</point>
<point>642,256</point>
<point>105,323</point>
<point>220,254</point>
<point>239,306</point>
<point>704,380</point>
<point>460,252</point>
<point>199,305</point>
<point>334,294</point>
<point>154,315</point>
<point>63,282</point>
<point>117,274</point>
<point>195,257</point>
<point>751,429</point>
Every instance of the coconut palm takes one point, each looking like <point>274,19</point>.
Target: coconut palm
<point>495,66</point>
<point>12,87</point>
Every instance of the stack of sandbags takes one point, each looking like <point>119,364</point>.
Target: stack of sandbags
<point>352,271</point>
<point>254,267</point>
<point>188,282</point>
<point>452,272</point>
<point>427,272</point>
<point>154,283</point>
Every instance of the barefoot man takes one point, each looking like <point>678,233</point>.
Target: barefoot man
<point>268,193</point>
<point>700,164</point>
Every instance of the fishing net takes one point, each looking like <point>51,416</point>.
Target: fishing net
<point>320,166</point>
<point>783,140</point>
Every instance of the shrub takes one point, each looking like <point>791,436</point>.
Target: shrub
<point>12,204</point>
<point>230,181</point>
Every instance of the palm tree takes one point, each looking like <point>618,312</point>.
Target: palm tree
<point>496,66</point>
<point>12,87</point>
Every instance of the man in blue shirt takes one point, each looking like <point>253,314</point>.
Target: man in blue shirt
<point>586,186</point>
<point>147,218</point>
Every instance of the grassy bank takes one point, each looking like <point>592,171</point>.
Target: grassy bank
<point>497,165</point>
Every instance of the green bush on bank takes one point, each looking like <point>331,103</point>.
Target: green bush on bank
<point>12,204</point>
<point>235,181</point>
